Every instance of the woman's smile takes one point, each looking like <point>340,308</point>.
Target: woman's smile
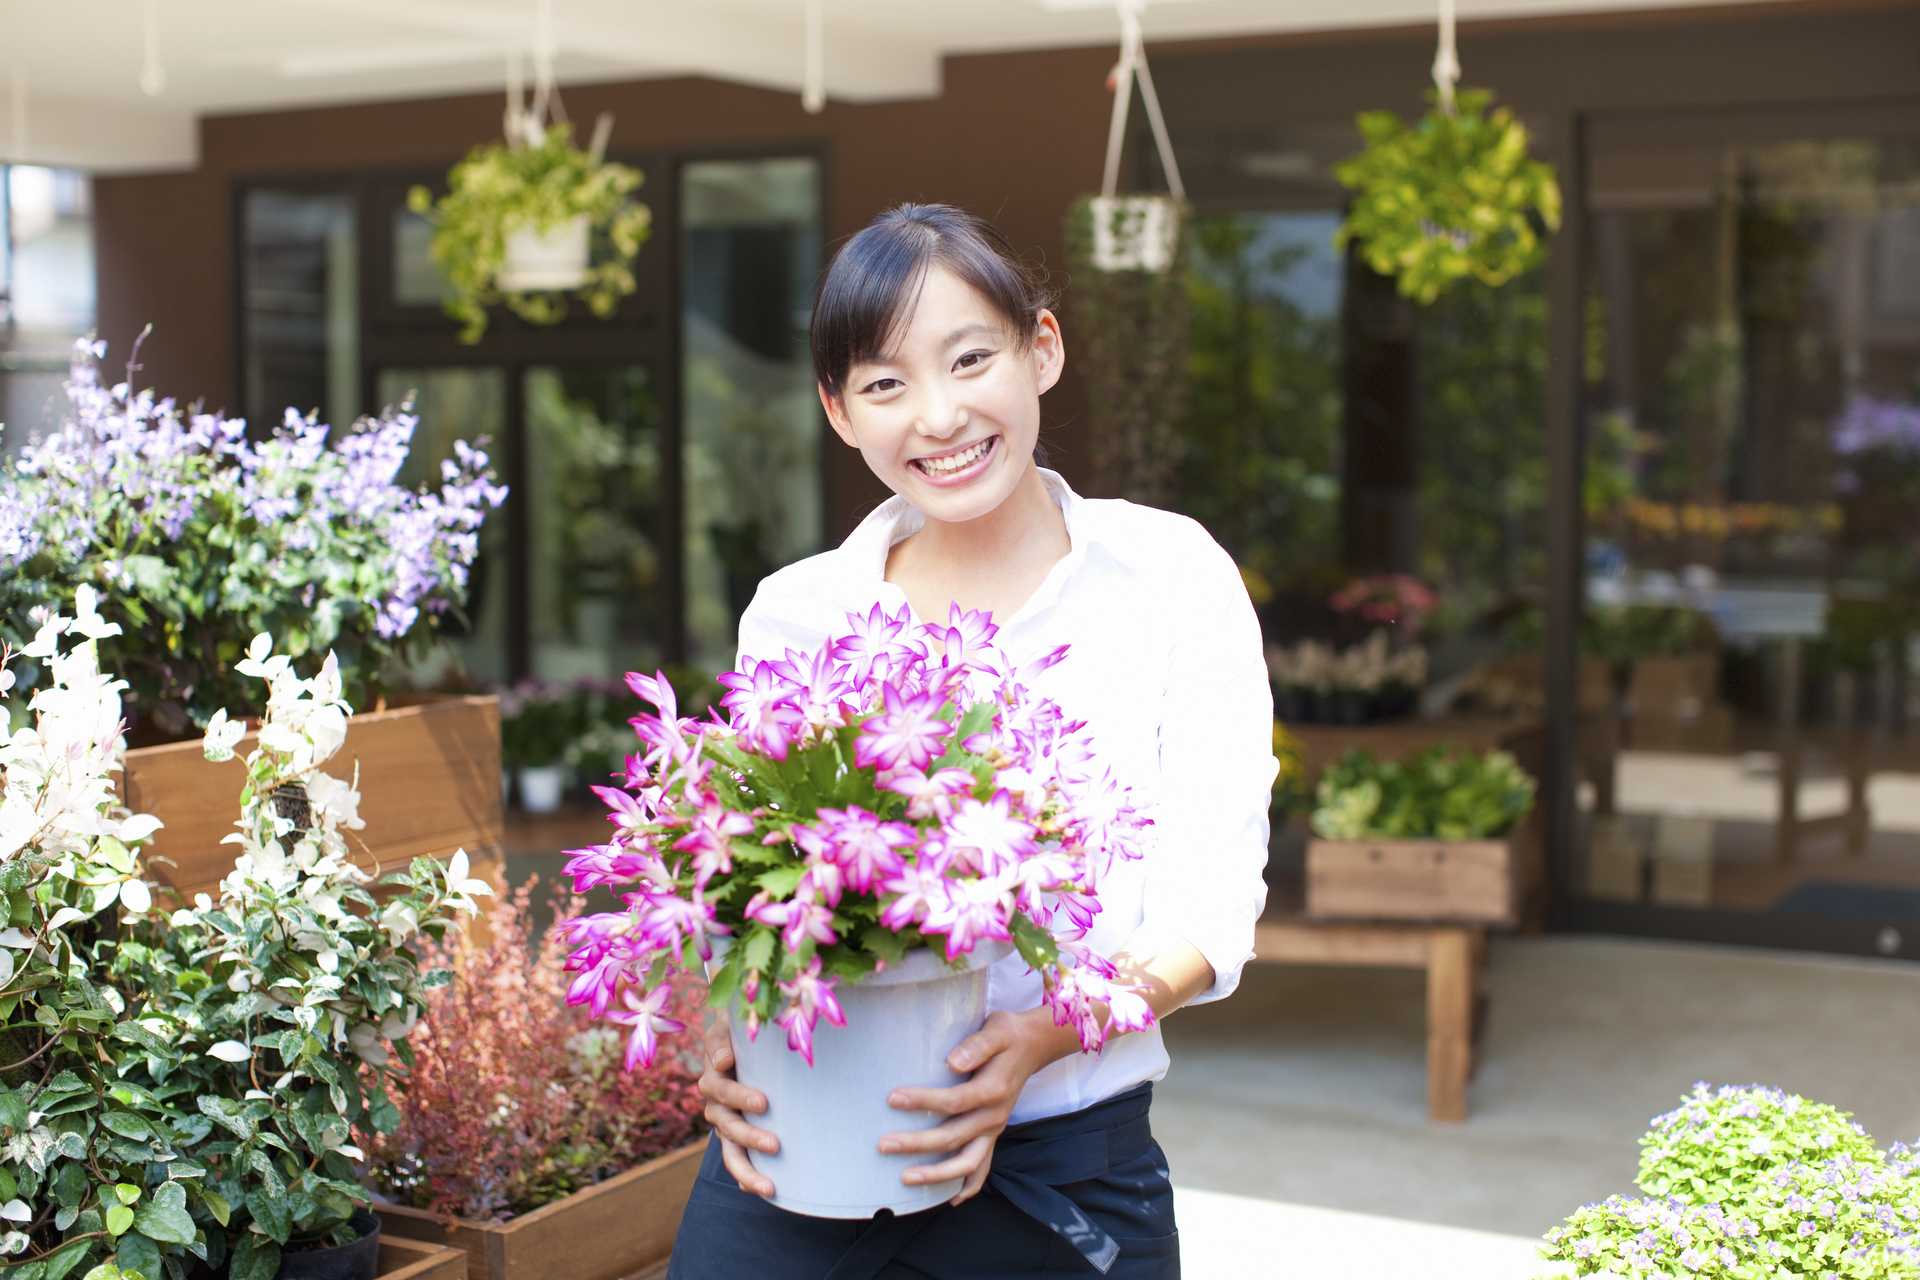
<point>959,465</point>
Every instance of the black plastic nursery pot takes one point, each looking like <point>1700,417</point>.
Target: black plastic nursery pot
<point>358,1259</point>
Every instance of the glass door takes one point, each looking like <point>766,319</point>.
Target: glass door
<point>1749,768</point>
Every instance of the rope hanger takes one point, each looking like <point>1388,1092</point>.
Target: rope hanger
<point>524,122</point>
<point>1446,60</point>
<point>1132,64</point>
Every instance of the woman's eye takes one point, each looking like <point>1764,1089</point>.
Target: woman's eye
<point>882,384</point>
<point>974,356</point>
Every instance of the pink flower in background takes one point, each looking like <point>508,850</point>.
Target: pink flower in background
<point>1391,599</point>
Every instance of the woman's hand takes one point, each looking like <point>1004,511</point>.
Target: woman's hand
<point>727,1100</point>
<point>1002,1055</point>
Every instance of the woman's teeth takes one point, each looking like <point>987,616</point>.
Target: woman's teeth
<point>954,462</point>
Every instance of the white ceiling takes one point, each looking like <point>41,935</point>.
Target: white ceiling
<point>78,65</point>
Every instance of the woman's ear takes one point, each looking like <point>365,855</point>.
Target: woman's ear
<point>836,415</point>
<point>1049,351</point>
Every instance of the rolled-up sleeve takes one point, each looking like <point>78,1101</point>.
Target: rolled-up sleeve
<point>1204,877</point>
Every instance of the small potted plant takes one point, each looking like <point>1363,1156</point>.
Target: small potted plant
<point>1453,196</point>
<point>538,721</point>
<point>515,1105</point>
<point>1748,1181</point>
<point>1420,838</point>
<point>868,827</point>
<point>518,224</point>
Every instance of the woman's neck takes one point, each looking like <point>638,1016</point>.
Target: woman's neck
<point>994,563</point>
<point>1027,527</point>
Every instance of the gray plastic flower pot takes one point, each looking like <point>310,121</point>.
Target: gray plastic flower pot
<point>901,1025</point>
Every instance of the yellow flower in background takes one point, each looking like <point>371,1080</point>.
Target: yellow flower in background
<point>1290,783</point>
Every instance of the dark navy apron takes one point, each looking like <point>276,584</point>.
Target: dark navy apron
<point>1080,1194</point>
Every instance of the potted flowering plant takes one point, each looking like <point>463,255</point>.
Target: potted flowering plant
<point>518,224</point>
<point>197,537</point>
<point>1420,838</point>
<point>1752,1183</point>
<point>266,1021</point>
<point>888,812</point>
<point>519,1134</point>
<point>539,721</point>
<point>1453,196</point>
<point>1316,683</point>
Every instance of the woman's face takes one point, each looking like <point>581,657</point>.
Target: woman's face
<point>948,419</point>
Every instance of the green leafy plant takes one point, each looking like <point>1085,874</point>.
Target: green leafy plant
<point>1750,1183</point>
<point>1442,793</point>
<point>1453,196</point>
<point>500,187</point>
<point>1133,326</point>
<point>267,1021</point>
<point>87,1165</point>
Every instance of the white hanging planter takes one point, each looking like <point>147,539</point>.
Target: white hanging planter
<point>901,1025</point>
<point>552,259</point>
<point>1134,233</point>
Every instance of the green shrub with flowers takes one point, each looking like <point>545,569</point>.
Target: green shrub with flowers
<point>501,186</point>
<point>197,1103</point>
<point>198,536</point>
<point>1751,1183</point>
<point>83,1162</point>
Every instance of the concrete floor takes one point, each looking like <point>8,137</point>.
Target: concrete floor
<point>1303,1097</point>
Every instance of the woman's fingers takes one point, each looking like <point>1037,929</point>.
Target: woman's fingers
<point>942,1137</point>
<point>956,1101</point>
<point>975,1180</point>
<point>719,1045</point>
<point>970,1157</point>
<point>721,1087</point>
<point>732,1126</point>
<point>751,1180</point>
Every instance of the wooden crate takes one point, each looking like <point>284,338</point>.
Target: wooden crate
<point>402,1259</point>
<point>1471,881</point>
<point>614,1229</point>
<point>429,784</point>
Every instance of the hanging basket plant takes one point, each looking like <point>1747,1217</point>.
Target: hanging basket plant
<point>1453,196</point>
<point>1128,259</point>
<point>517,225</point>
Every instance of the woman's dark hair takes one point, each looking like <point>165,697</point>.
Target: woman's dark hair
<point>873,282</point>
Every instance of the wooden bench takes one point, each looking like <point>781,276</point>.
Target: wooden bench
<point>1454,957</point>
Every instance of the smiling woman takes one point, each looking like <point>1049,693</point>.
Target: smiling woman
<point>932,347</point>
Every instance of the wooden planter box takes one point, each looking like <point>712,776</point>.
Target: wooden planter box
<point>412,1260</point>
<point>614,1229</point>
<point>1469,881</point>
<point>429,784</point>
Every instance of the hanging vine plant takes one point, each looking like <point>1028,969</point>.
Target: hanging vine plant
<point>1451,197</point>
<point>1128,259</point>
<point>519,223</point>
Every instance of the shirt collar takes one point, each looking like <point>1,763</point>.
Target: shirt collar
<point>896,519</point>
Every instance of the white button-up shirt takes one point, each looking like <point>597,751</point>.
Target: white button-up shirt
<point>1166,666</point>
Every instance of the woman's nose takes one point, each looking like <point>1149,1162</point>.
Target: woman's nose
<point>939,417</point>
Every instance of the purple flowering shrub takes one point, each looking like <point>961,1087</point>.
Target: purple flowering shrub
<point>899,787</point>
<point>199,537</point>
<point>1752,1184</point>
